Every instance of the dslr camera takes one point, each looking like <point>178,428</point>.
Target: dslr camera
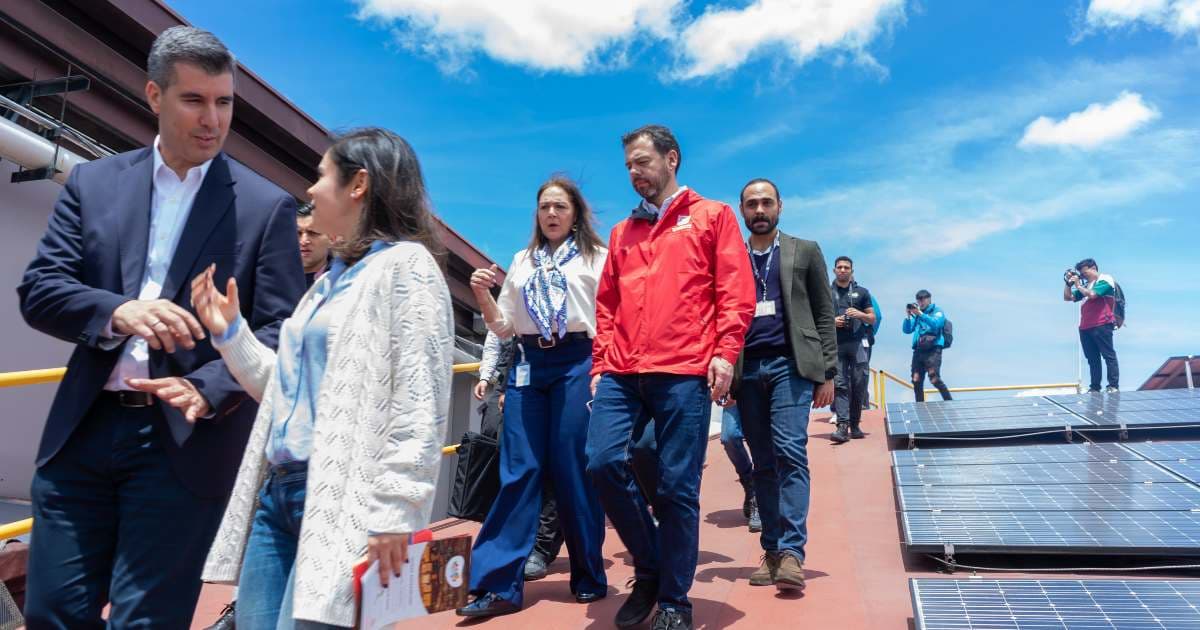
<point>912,306</point>
<point>1070,275</point>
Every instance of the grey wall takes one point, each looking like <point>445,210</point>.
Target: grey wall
<point>24,210</point>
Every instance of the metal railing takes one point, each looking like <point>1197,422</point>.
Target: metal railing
<point>53,375</point>
<point>880,387</point>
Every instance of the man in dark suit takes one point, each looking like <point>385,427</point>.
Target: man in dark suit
<point>787,367</point>
<point>147,429</point>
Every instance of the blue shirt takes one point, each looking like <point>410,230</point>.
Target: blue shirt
<point>301,359</point>
<point>768,332</point>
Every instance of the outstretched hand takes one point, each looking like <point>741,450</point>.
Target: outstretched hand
<point>215,311</point>
<point>175,391</point>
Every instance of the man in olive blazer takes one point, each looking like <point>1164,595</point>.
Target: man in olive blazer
<point>787,366</point>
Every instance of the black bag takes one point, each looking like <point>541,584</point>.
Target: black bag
<point>926,343</point>
<point>947,335</point>
<point>477,477</point>
<point>1118,305</point>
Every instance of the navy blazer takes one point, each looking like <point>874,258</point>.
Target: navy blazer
<point>92,259</point>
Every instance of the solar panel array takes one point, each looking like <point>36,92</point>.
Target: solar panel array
<point>1012,604</point>
<point>1037,414</point>
<point>1137,498</point>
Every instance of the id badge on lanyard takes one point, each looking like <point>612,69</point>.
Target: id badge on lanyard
<point>764,307</point>
<point>522,374</point>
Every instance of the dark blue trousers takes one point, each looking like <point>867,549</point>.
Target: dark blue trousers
<point>545,430</point>
<point>681,410</point>
<point>112,523</point>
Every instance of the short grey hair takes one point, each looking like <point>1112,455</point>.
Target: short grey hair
<point>187,44</point>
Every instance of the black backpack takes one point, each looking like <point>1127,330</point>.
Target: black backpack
<point>1119,305</point>
<point>947,335</point>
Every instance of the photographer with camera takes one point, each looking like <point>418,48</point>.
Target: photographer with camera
<point>1098,317</point>
<point>926,323</point>
<point>854,317</point>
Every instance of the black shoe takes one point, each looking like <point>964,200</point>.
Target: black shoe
<point>225,621</point>
<point>671,620</point>
<point>638,606</point>
<point>587,598</point>
<point>755,519</point>
<point>856,432</point>
<point>488,605</point>
<point>536,567</point>
<point>748,500</point>
<point>840,436</point>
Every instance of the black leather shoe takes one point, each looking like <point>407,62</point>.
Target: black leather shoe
<point>672,620</point>
<point>638,606</point>
<point>856,431</point>
<point>536,567</point>
<point>225,621</point>
<point>488,605</point>
<point>587,598</point>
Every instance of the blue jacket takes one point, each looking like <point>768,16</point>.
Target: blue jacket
<point>929,322</point>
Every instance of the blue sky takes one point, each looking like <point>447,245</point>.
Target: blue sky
<point>974,149</point>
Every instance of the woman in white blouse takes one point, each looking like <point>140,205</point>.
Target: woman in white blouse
<point>343,457</point>
<point>549,302</point>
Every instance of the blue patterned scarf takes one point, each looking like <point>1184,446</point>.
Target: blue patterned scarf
<point>546,290</point>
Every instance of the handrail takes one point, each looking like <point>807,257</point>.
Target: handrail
<point>986,388</point>
<point>53,375</point>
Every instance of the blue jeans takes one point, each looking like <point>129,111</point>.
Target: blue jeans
<point>545,427</point>
<point>680,406</point>
<point>775,402</point>
<point>735,445</point>
<point>265,585</point>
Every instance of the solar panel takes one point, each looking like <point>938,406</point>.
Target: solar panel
<point>1152,394</point>
<point>1080,496</point>
<point>1026,454</point>
<point>1050,421</point>
<point>1137,533</point>
<point>1189,469</point>
<point>1166,451</point>
<point>1034,474</point>
<point>972,604</point>
<point>1170,417</point>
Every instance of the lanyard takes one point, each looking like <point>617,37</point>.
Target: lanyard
<point>762,280</point>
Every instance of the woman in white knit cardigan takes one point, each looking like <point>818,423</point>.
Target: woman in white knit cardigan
<point>343,458</point>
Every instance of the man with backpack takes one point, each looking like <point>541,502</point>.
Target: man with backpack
<point>854,317</point>
<point>931,333</point>
<point>1102,312</point>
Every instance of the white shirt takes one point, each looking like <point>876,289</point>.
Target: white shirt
<point>491,356</point>
<point>658,210</point>
<point>171,201</point>
<point>583,280</point>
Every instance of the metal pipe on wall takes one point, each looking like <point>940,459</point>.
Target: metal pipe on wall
<point>29,150</point>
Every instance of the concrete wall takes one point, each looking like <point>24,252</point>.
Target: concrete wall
<point>24,211</point>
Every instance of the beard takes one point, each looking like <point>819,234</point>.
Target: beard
<point>650,188</point>
<point>762,224</point>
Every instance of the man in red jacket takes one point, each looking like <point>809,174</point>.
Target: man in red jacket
<point>672,310</point>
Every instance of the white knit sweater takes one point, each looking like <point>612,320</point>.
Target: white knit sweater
<point>380,426</point>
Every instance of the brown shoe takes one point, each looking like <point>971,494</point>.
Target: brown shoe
<point>790,574</point>
<point>765,575</point>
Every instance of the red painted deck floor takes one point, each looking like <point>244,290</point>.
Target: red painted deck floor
<point>856,569</point>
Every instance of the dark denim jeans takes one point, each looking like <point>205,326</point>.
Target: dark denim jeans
<point>775,402</point>
<point>735,443</point>
<point>681,410</point>
<point>264,598</point>
<point>1097,345</point>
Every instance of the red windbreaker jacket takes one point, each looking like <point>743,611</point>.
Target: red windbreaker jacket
<point>674,294</point>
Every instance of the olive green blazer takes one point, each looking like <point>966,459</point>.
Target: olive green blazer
<point>808,308</point>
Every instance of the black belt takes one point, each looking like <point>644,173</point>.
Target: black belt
<point>768,352</point>
<point>129,398</point>
<point>538,341</point>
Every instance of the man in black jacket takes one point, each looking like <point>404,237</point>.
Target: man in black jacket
<point>854,318</point>
<point>148,427</point>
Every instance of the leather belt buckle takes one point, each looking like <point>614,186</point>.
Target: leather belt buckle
<point>544,345</point>
<point>128,398</point>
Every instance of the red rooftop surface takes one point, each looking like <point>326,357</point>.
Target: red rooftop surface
<point>856,567</point>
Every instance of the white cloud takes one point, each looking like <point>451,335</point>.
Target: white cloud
<point>541,34</point>
<point>1157,222</point>
<point>1177,16</point>
<point>751,139</point>
<point>1097,124</point>
<point>723,39</point>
